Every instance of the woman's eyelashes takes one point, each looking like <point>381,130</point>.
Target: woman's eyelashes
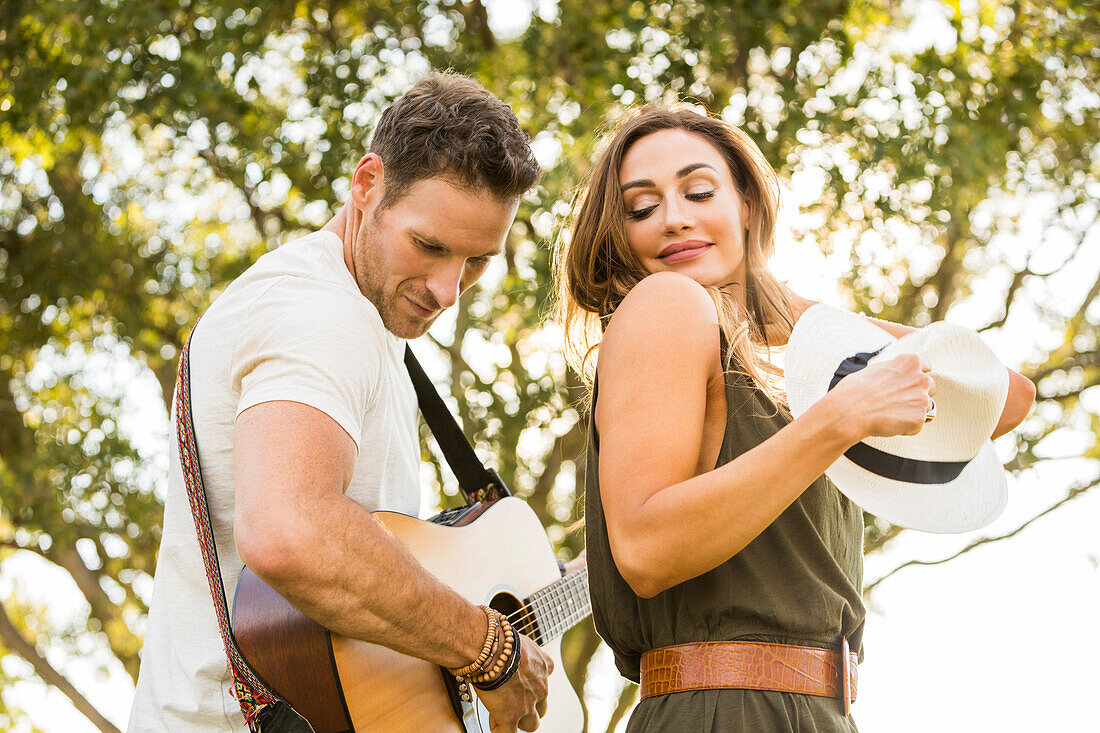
<point>644,211</point>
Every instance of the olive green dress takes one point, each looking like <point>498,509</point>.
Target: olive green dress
<point>798,582</point>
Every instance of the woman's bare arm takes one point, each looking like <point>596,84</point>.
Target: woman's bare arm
<point>667,525</point>
<point>1021,391</point>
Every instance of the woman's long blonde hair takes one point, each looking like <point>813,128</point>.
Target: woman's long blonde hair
<point>595,268</point>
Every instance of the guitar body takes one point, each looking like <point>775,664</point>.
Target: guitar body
<point>341,684</point>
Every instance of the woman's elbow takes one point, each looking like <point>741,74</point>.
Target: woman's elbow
<point>1021,398</point>
<point>646,587</point>
<point>640,573</point>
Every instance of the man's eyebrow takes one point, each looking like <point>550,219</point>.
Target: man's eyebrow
<point>439,244</point>
<point>646,183</point>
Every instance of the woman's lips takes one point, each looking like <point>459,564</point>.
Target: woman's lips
<point>684,251</point>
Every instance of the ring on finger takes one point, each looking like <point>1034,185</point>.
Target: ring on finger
<point>931,414</point>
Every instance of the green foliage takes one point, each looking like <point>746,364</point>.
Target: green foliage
<point>149,152</point>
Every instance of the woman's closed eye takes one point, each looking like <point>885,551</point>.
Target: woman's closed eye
<point>640,213</point>
<point>644,211</point>
<point>701,195</point>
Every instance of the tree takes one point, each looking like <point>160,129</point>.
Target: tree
<point>151,152</point>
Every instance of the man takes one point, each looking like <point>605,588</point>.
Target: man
<point>306,419</point>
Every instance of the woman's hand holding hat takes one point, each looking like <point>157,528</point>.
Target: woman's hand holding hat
<point>887,398</point>
<point>939,475</point>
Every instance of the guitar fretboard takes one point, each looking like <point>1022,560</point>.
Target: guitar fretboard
<point>560,605</point>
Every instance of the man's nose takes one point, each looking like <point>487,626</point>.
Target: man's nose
<point>445,284</point>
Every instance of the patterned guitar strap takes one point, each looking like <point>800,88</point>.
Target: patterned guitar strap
<point>264,711</point>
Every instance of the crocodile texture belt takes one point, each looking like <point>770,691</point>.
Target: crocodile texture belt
<point>751,665</point>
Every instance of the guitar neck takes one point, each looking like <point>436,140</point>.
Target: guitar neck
<point>560,605</point>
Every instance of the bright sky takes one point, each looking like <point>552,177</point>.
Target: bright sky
<point>1003,639</point>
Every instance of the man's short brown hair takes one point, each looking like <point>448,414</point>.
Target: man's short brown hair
<point>448,125</point>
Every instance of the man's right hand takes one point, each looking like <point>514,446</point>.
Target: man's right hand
<point>521,701</point>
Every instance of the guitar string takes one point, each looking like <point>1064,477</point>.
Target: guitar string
<point>570,585</point>
<point>564,589</point>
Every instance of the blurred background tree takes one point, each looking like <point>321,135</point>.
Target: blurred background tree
<point>149,152</point>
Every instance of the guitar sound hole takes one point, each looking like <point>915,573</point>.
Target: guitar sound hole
<point>517,614</point>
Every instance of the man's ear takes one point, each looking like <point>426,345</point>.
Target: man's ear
<point>366,182</point>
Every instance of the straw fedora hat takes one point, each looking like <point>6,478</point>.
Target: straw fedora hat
<point>945,479</point>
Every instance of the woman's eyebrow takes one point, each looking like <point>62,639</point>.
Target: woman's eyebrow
<point>693,167</point>
<point>646,183</point>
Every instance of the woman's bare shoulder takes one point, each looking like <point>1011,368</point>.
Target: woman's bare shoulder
<point>665,314</point>
<point>664,298</point>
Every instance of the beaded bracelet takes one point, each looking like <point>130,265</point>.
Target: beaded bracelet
<point>501,656</point>
<point>503,663</point>
<point>478,665</point>
<point>509,670</point>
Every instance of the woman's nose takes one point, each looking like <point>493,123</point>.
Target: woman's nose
<point>677,217</point>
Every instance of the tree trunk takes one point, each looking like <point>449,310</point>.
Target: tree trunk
<point>626,700</point>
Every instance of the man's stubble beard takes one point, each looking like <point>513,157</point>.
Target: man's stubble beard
<point>371,279</point>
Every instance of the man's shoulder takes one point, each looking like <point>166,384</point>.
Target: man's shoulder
<point>302,285</point>
<point>315,258</point>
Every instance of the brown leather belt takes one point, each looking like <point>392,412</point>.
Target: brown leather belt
<point>751,665</point>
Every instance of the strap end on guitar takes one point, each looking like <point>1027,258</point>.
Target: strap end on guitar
<point>492,491</point>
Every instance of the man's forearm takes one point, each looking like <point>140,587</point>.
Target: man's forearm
<point>343,569</point>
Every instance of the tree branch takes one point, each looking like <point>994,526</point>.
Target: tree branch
<point>1085,359</point>
<point>11,637</point>
<point>1010,296</point>
<point>102,607</point>
<point>944,279</point>
<point>454,351</point>
<point>477,20</point>
<point>1073,494</point>
<point>578,659</point>
<point>15,436</point>
<point>879,542</point>
<point>260,215</point>
<point>124,644</point>
<point>1079,316</point>
<point>166,378</point>
<point>569,445</point>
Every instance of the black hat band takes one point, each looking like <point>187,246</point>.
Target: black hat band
<point>887,465</point>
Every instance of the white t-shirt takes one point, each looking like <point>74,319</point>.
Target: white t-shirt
<point>293,327</point>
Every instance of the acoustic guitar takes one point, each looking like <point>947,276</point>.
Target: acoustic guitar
<point>497,555</point>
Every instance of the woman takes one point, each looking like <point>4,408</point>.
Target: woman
<point>708,517</point>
